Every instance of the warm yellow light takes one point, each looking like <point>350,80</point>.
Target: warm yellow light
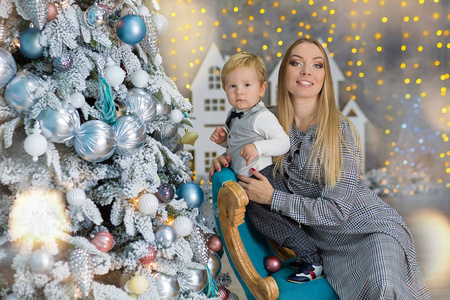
<point>384,19</point>
<point>279,29</point>
<point>380,82</point>
<point>216,23</point>
<point>387,131</point>
<point>418,81</point>
<point>262,11</point>
<point>420,48</point>
<point>264,47</point>
<point>379,49</point>
<point>407,81</point>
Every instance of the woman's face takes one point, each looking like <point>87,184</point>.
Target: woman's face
<point>305,72</point>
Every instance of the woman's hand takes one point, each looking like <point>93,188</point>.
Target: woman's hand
<point>258,189</point>
<point>217,163</point>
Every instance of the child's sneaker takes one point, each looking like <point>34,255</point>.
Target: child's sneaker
<point>306,272</point>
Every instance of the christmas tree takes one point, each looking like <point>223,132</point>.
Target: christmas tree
<point>97,199</point>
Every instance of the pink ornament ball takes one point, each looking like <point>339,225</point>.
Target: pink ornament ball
<point>223,292</point>
<point>52,11</point>
<point>103,241</point>
<point>215,243</point>
<point>272,264</point>
<point>150,257</point>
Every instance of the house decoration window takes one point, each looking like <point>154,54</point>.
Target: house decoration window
<point>215,104</point>
<point>209,156</point>
<point>214,78</point>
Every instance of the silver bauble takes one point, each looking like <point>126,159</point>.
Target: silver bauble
<point>141,104</point>
<point>95,141</point>
<point>163,109</point>
<point>96,16</point>
<point>167,286</point>
<point>165,235</point>
<point>59,126</point>
<point>41,261</point>
<point>8,68</point>
<point>169,137</point>
<point>130,134</point>
<point>20,90</point>
<point>193,280</point>
<point>214,264</point>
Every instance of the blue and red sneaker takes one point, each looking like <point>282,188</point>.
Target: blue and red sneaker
<point>306,272</point>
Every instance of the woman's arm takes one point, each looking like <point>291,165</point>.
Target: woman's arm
<point>334,205</point>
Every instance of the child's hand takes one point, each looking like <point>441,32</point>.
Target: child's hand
<point>249,153</point>
<point>219,136</point>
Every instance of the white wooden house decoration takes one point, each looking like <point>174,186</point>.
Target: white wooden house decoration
<point>210,110</point>
<point>211,107</point>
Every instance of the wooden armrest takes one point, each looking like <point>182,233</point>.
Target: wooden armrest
<point>231,202</point>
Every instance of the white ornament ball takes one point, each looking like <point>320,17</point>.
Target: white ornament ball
<point>77,100</point>
<point>176,115</point>
<point>143,10</point>
<point>35,144</point>
<point>161,24</point>
<point>76,197</point>
<point>41,261</point>
<point>148,204</point>
<point>182,225</point>
<point>113,73</point>
<point>140,78</point>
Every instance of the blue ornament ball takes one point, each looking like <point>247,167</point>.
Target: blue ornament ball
<point>29,43</point>
<point>191,193</point>
<point>131,29</point>
<point>165,193</point>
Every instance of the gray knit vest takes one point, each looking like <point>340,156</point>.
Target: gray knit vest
<point>241,134</point>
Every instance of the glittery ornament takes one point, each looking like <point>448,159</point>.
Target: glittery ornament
<point>197,241</point>
<point>150,257</point>
<point>165,193</point>
<point>64,62</point>
<point>150,41</point>
<point>223,292</point>
<point>103,241</point>
<point>81,269</point>
<point>3,32</point>
<point>272,264</point>
<point>52,11</point>
<point>189,137</point>
<point>215,243</point>
<point>38,10</point>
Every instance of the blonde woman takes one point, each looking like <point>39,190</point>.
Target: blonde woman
<point>366,249</point>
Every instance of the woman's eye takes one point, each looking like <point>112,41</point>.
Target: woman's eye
<point>295,63</point>
<point>318,66</point>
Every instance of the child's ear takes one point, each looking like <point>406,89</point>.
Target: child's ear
<point>263,89</point>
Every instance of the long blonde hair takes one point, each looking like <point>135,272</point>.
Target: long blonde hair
<point>327,153</point>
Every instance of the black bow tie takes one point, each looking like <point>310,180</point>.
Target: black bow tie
<point>233,115</point>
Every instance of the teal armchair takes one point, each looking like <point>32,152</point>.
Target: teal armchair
<point>246,249</point>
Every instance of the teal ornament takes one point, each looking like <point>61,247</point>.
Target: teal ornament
<point>95,141</point>
<point>8,67</point>
<point>191,193</point>
<point>61,125</point>
<point>19,92</point>
<point>29,43</point>
<point>131,29</point>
